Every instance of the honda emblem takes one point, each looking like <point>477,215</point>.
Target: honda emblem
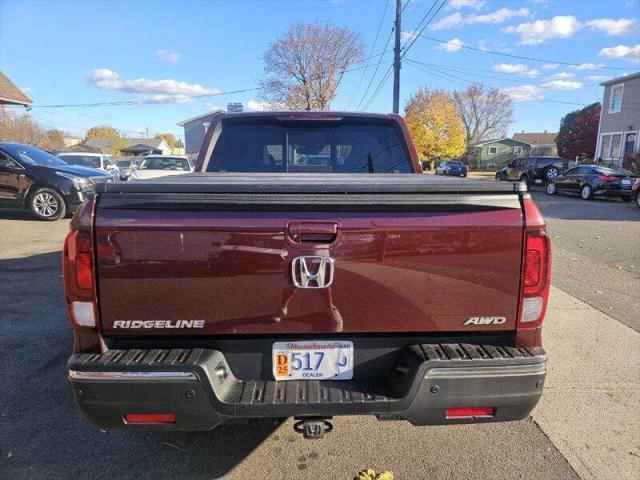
<point>312,272</point>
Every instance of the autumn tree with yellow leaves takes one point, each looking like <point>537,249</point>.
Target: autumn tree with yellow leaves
<point>435,124</point>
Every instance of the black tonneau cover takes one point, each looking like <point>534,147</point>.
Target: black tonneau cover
<point>311,183</point>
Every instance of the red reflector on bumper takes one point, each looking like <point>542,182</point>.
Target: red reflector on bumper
<point>468,412</point>
<point>150,418</point>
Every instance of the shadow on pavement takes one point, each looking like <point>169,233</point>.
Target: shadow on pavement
<point>42,434</point>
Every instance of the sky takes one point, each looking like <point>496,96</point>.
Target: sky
<point>78,52</point>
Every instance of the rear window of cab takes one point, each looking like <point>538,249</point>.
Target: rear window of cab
<point>271,146</point>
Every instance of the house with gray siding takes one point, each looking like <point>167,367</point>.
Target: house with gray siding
<point>194,131</point>
<point>619,120</point>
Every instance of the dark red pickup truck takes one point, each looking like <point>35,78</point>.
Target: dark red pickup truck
<point>306,270</point>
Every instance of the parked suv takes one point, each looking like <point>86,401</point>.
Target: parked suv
<point>99,161</point>
<point>45,185</point>
<point>531,170</point>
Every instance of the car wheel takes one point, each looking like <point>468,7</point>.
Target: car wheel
<point>498,177</point>
<point>625,198</point>
<point>586,192</point>
<point>551,188</point>
<point>638,200</point>
<point>446,172</point>
<point>551,173</point>
<point>47,204</point>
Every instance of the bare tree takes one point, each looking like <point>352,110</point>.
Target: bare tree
<point>304,68</point>
<point>21,128</point>
<point>486,112</point>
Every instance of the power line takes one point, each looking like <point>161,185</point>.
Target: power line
<point>522,57</point>
<point>375,40</point>
<point>151,101</point>
<point>414,36</point>
<point>439,73</point>
<point>375,72</point>
<point>379,87</point>
<point>508,76</point>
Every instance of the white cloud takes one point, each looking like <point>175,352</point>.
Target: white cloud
<point>550,66</point>
<point>562,85</point>
<point>541,31</point>
<point>456,19</point>
<point>167,56</point>
<point>452,45</point>
<point>524,93</point>
<point>622,51</point>
<point>499,16</point>
<point>517,68</point>
<point>106,79</point>
<point>587,66</point>
<point>458,4</point>
<point>171,98</point>
<point>408,36</point>
<point>452,21</point>
<point>562,75</point>
<point>599,78</point>
<point>614,28</point>
<point>256,105</point>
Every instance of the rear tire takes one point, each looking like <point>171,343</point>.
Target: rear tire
<point>550,173</point>
<point>625,198</point>
<point>586,192</point>
<point>498,178</point>
<point>551,188</point>
<point>47,204</point>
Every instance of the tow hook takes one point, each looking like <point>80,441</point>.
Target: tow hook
<point>313,428</point>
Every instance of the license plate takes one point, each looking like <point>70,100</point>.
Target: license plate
<point>626,182</point>
<point>313,360</point>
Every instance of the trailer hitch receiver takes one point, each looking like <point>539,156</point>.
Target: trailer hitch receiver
<point>313,428</point>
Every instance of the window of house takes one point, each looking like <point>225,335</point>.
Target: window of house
<point>610,145</point>
<point>615,102</point>
<point>517,149</point>
<point>493,150</point>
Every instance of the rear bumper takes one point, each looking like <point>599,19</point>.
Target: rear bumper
<point>199,388</point>
<point>613,192</point>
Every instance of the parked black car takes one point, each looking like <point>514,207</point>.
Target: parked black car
<point>594,180</point>
<point>37,181</point>
<point>531,170</point>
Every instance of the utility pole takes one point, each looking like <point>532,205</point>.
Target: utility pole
<point>396,60</point>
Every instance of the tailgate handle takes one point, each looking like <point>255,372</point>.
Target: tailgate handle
<point>313,232</point>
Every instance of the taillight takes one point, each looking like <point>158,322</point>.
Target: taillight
<point>78,272</point>
<point>608,178</point>
<point>150,418</point>
<point>536,270</point>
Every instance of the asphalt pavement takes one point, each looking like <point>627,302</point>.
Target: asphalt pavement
<point>44,437</point>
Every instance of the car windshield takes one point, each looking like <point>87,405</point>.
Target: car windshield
<point>82,160</point>
<point>456,164</point>
<point>32,155</point>
<point>313,147</point>
<point>164,163</point>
